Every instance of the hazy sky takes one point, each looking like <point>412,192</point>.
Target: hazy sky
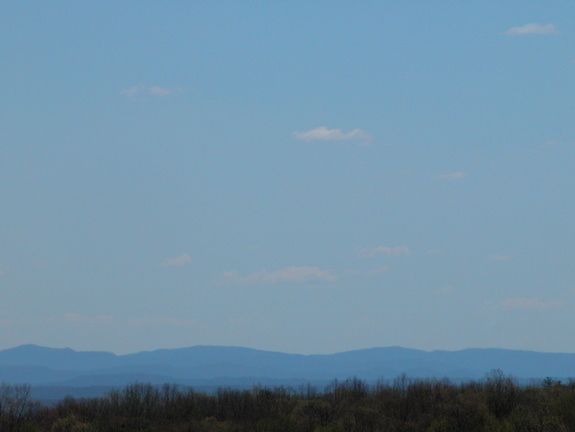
<point>299,176</point>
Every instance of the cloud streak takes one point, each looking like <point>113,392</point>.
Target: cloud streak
<point>141,91</point>
<point>180,261</point>
<point>286,274</point>
<point>531,29</point>
<point>452,176</point>
<point>324,134</point>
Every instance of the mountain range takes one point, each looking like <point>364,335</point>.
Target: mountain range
<point>209,367</point>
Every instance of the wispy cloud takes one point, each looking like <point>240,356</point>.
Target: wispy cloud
<point>160,91</point>
<point>452,176</point>
<point>527,304</point>
<point>533,28</point>
<point>324,134</point>
<point>287,274</point>
<point>140,91</point>
<point>179,261</point>
<point>385,250</point>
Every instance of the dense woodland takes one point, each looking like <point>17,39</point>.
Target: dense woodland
<point>496,403</point>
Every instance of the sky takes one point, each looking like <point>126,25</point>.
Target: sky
<point>302,176</point>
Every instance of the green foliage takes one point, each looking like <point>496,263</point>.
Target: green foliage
<point>334,427</point>
<point>70,424</point>
<point>502,393</point>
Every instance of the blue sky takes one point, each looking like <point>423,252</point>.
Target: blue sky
<point>307,177</point>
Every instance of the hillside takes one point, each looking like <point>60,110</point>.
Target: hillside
<point>210,366</point>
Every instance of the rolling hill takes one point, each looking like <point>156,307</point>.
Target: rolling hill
<point>209,367</point>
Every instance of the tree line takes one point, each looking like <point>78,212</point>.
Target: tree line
<point>496,403</point>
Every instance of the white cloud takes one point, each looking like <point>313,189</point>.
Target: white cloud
<point>180,261</point>
<point>72,317</point>
<point>131,91</point>
<point>137,91</point>
<point>160,91</point>
<point>324,134</point>
<point>385,250</point>
<point>532,28</point>
<point>527,304</point>
<point>452,176</point>
<point>287,274</point>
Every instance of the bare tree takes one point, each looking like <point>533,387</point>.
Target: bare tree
<point>16,406</point>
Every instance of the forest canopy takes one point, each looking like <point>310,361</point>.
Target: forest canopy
<point>496,403</point>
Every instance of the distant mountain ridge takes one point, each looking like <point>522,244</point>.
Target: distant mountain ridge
<point>231,366</point>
